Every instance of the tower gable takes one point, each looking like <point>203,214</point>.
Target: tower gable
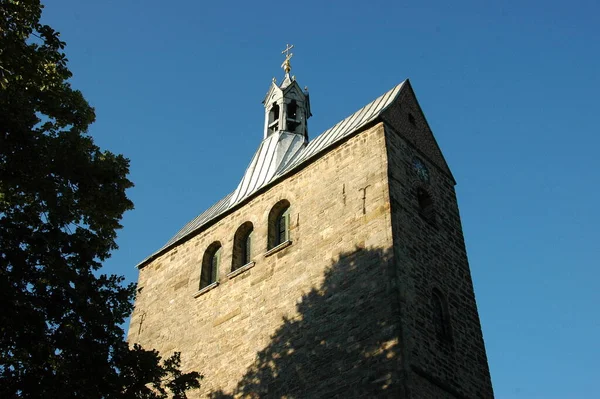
<point>273,94</point>
<point>406,118</point>
<point>293,91</point>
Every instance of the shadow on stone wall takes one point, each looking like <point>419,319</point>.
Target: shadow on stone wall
<point>343,344</point>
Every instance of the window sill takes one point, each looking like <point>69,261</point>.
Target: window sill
<point>241,270</point>
<point>278,248</point>
<point>206,289</point>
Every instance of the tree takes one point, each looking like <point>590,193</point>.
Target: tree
<point>61,202</point>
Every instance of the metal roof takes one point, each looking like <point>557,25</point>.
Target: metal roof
<point>278,155</point>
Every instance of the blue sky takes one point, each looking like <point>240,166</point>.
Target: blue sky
<point>509,88</point>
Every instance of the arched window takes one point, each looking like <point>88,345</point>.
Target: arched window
<point>242,246</point>
<point>210,264</point>
<point>426,205</point>
<point>291,116</point>
<point>274,114</point>
<point>292,109</point>
<point>279,224</point>
<point>441,320</point>
<point>273,118</point>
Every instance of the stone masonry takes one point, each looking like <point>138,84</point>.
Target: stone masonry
<point>343,310</point>
<point>431,255</point>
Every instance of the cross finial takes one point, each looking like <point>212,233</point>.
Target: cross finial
<point>287,50</point>
<point>287,67</point>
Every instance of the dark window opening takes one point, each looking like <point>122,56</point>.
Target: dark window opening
<point>411,119</point>
<point>242,246</point>
<point>292,116</point>
<point>279,224</point>
<point>274,115</point>
<point>210,265</point>
<point>426,205</point>
<point>292,109</point>
<point>441,320</point>
<point>273,118</point>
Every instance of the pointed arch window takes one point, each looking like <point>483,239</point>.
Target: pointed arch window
<point>210,265</point>
<point>242,246</point>
<point>279,224</point>
<point>441,319</point>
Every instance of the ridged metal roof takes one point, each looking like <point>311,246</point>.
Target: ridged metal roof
<point>279,154</point>
<point>274,153</point>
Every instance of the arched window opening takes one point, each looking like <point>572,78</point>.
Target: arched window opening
<point>292,110</point>
<point>292,116</point>
<point>279,224</point>
<point>274,118</point>
<point>210,265</point>
<point>242,246</point>
<point>426,205</point>
<point>441,320</point>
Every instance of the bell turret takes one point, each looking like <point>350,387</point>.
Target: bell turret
<point>287,106</point>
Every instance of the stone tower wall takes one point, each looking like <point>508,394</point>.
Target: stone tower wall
<point>431,254</point>
<point>317,318</point>
<point>346,309</point>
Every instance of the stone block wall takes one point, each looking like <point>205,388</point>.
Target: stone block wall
<point>343,310</point>
<point>318,318</point>
<point>430,255</point>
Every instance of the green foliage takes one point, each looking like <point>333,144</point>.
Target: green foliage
<point>61,202</point>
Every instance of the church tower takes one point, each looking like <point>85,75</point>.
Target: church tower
<point>335,269</point>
